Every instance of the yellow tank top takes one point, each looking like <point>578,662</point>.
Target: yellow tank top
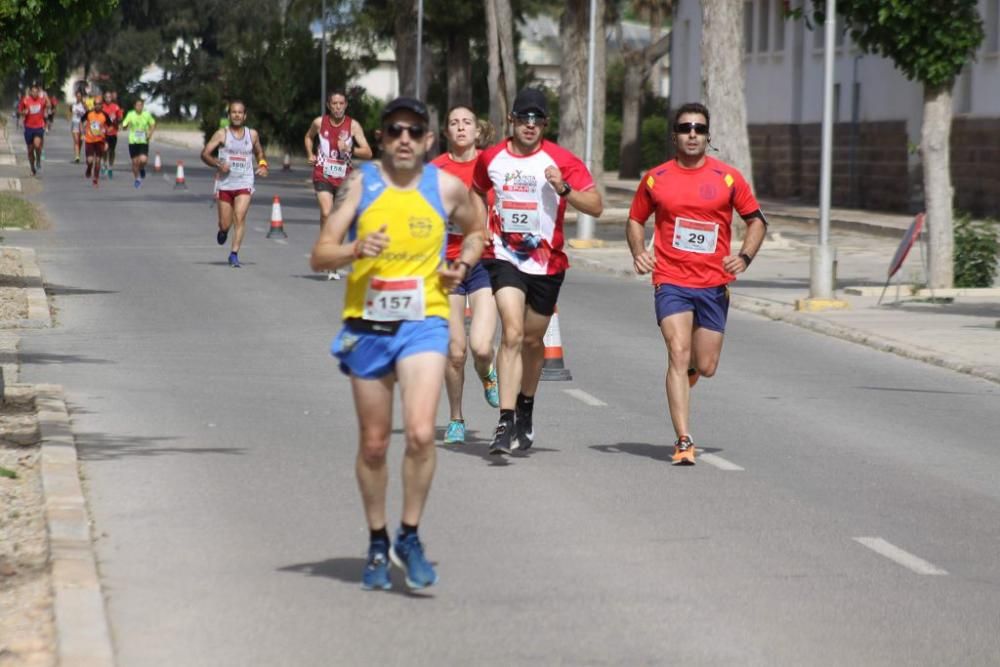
<point>402,283</point>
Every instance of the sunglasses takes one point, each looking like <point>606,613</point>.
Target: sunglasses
<point>530,118</point>
<point>395,131</point>
<point>685,128</point>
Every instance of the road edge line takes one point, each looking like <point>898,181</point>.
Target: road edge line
<point>83,634</point>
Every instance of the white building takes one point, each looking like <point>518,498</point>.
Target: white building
<point>877,110</point>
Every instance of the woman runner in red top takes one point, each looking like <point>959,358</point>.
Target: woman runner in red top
<point>463,132</point>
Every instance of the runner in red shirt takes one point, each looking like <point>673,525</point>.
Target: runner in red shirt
<point>340,140</point>
<point>115,115</point>
<point>532,179</point>
<point>693,197</point>
<point>32,110</point>
<point>462,130</point>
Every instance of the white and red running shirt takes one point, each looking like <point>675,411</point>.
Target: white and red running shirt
<point>526,219</point>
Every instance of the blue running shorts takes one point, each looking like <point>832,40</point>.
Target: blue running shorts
<point>478,278</point>
<point>31,132</point>
<point>370,355</point>
<point>709,304</point>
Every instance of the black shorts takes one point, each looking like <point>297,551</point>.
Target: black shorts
<point>540,292</point>
<point>112,140</point>
<point>323,186</point>
<point>135,150</point>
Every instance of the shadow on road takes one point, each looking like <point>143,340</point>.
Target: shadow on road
<point>46,359</point>
<point>348,570</point>
<point>62,290</point>
<point>103,447</point>
<point>655,452</point>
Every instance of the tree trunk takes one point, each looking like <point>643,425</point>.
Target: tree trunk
<point>459,65</point>
<point>630,154</point>
<point>935,140</point>
<point>502,69</point>
<point>405,29</point>
<point>574,37</point>
<point>722,82</point>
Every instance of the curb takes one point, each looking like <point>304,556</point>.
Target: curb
<point>39,316</point>
<point>779,313</point>
<point>83,634</point>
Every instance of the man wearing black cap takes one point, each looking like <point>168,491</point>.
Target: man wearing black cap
<point>394,213</point>
<point>533,180</point>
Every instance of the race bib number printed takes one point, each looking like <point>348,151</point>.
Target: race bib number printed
<point>238,164</point>
<point>520,217</point>
<point>34,108</point>
<point>140,136</point>
<point>96,127</point>
<point>334,169</point>
<point>695,236</point>
<point>391,299</point>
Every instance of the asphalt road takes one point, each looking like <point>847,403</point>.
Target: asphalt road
<point>217,440</point>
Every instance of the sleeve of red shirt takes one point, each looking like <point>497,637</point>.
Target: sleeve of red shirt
<point>642,202</point>
<point>743,199</point>
<point>481,175</point>
<point>573,170</point>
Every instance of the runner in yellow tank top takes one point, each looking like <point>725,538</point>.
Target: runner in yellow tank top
<point>389,220</point>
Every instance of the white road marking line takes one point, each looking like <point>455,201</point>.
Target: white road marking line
<point>720,463</point>
<point>904,558</point>
<point>581,395</point>
<point>281,241</point>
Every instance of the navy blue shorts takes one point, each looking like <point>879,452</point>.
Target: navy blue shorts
<point>478,278</point>
<point>709,304</point>
<point>372,355</point>
<point>31,132</point>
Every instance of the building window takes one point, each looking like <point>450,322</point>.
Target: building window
<point>764,36</point>
<point>779,26</point>
<point>992,27</point>
<point>748,27</point>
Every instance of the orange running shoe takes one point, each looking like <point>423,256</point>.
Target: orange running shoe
<point>693,376</point>
<point>683,451</point>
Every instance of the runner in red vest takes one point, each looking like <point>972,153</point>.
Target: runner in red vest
<point>115,115</point>
<point>340,139</point>
<point>32,110</point>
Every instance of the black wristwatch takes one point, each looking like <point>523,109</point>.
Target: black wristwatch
<point>746,259</point>
<point>566,190</point>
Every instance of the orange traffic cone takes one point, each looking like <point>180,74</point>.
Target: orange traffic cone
<point>157,165</point>
<point>179,181</point>
<point>277,229</point>
<point>553,368</point>
<point>287,164</point>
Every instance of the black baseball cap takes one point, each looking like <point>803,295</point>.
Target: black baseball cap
<point>406,104</point>
<point>530,100</point>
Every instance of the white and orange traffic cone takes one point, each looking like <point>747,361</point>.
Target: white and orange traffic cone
<point>286,165</point>
<point>157,164</point>
<point>553,368</point>
<point>277,229</point>
<point>179,181</point>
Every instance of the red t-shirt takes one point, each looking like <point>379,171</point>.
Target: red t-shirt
<point>114,114</point>
<point>694,217</point>
<point>526,218</point>
<point>35,107</point>
<point>464,171</point>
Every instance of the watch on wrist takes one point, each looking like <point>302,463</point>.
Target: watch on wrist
<point>567,188</point>
<point>746,258</point>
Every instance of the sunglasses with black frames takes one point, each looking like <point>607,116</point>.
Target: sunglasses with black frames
<point>685,128</point>
<point>395,130</point>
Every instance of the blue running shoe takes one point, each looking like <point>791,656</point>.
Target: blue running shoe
<point>234,260</point>
<point>221,236</point>
<point>376,574</point>
<point>455,435</point>
<point>137,184</point>
<point>408,555</point>
<point>491,390</point>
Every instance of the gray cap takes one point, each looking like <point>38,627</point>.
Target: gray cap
<point>406,104</point>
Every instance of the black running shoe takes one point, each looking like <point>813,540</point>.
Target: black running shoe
<point>501,439</point>
<point>525,431</point>
<point>220,237</point>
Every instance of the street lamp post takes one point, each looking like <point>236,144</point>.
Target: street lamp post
<point>420,43</point>
<point>322,66</point>
<point>585,222</point>
<point>823,255</point>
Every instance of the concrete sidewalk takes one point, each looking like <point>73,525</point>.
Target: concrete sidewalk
<point>960,332</point>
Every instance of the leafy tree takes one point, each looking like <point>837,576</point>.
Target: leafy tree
<point>930,41</point>
<point>33,33</point>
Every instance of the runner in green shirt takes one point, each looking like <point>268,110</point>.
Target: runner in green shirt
<point>140,125</point>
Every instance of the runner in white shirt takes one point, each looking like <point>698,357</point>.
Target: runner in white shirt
<point>533,180</point>
<point>78,111</point>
